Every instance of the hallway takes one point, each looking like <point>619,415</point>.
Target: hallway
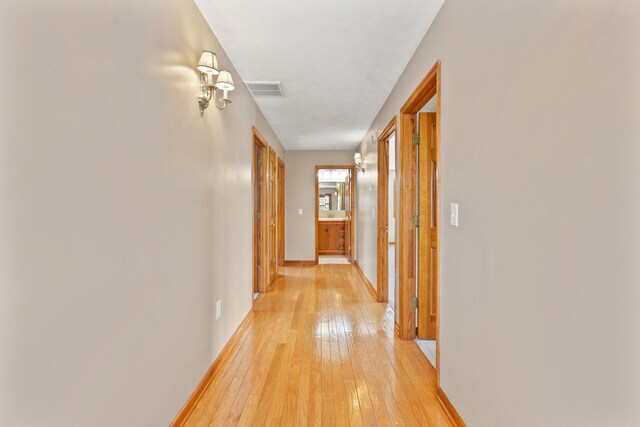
<point>319,351</point>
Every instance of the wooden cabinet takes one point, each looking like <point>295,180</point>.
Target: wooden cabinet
<point>331,237</point>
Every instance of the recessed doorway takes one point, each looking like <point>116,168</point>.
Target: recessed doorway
<point>259,168</point>
<point>419,218</point>
<point>334,216</point>
<point>386,277</point>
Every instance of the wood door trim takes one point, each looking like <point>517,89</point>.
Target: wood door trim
<point>227,352</point>
<point>281,195</point>
<point>258,139</point>
<point>405,233</point>
<point>383,211</point>
<point>449,409</point>
<point>317,204</point>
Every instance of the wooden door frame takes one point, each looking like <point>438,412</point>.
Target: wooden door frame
<point>259,140</point>
<point>352,196</point>
<point>406,232</point>
<point>280,214</point>
<point>273,214</point>
<point>383,211</point>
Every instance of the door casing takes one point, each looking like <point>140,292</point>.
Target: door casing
<point>272,180</point>
<point>280,212</point>
<point>406,231</point>
<point>260,215</point>
<point>383,211</point>
<point>352,197</point>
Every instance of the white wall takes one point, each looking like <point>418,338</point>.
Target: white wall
<point>392,189</point>
<point>300,235</point>
<point>366,208</point>
<point>116,235</point>
<point>540,131</point>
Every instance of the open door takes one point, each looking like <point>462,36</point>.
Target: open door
<point>273,200</point>
<point>348,223</point>
<point>428,228</point>
<point>260,219</point>
<point>280,213</point>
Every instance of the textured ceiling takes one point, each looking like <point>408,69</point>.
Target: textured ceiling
<point>337,60</point>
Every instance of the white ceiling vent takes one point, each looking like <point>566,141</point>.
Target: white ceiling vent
<point>265,89</point>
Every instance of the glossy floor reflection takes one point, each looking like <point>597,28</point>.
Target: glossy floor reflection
<point>320,351</point>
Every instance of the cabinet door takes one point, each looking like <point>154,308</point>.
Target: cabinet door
<point>322,237</point>
<point>331,236</point>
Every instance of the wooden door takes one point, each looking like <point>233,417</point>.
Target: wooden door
<point>273,208</point>
<point>428,227</point>
<point>257,220</point>
<point>348,202</point>
<point>322,237</point>
<point>280,213</point>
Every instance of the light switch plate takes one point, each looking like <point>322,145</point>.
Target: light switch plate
<point>453,218</point>
<point>218,309</point>
<point>299,211</point>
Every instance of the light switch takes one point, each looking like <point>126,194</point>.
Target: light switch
<point>373,212</point>
<point>300,211</point>
<point>218,309</point>
<point>453,219</point>
<point>370,188</point>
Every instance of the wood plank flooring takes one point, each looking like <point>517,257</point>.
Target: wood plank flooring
<point>319,351</point>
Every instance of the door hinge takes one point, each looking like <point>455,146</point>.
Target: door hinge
<point>414,302</point>
<point>416,138</point>
<point>258,215</point>
<point>416,220</point>
<point>259,268</point>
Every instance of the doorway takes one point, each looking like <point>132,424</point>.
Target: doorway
<point>386,291</point>
<point>280,213</point>
<point>272,178</point>
<point>334,214</point>
<point>427,230</point>
<point>419,217</point>
<point>259,171</point>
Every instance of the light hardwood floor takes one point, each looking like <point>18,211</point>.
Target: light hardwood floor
<point>320,351</point>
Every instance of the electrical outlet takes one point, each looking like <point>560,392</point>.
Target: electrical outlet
<point>218,309</point>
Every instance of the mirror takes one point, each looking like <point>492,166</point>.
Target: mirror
<point>333,193</point>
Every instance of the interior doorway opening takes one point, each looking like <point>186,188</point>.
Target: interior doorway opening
<point>427,231</point>
<point>334,214</point>
<point>386,274</point>
<point>419,218</point>
<point>261,215</point>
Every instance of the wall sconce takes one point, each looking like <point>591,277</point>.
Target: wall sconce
<point>357,160</point>
<point>208,67</point>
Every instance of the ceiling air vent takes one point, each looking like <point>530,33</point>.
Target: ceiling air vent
<point>265,89</point>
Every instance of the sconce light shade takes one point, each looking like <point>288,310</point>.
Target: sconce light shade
<point>208,63</point>
<point>225,81</point>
